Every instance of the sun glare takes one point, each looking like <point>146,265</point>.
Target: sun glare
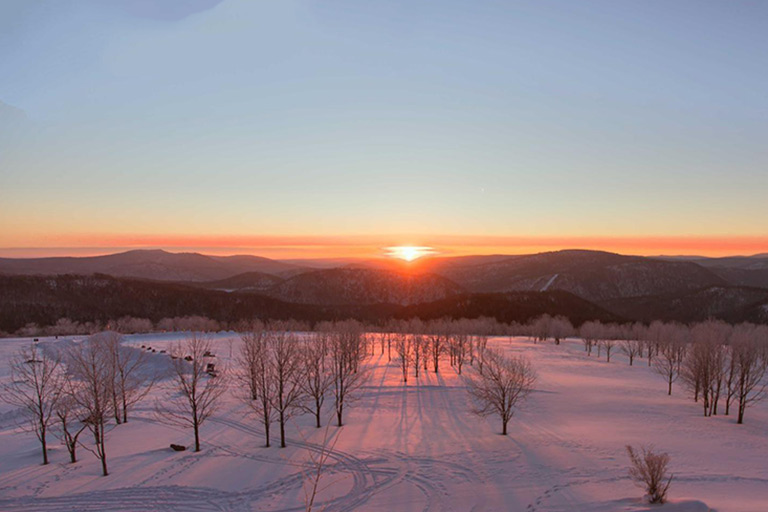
<point>408,252</point>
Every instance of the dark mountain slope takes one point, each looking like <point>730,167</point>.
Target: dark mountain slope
<point>363,286</point>
<point>595,276</point>
<point>45,299</point>
<point>247,282</point>
<point>732,304</point>
<point>511,307</point>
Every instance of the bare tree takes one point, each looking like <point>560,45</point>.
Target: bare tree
<point>632,342</point>
<point>71,424</point>
<point>286,367</point>
<point>649,471</point>
<point>90,384</point>
<point>35,387</point>
<point>404,352</point>
<point>459,343</point>
<point>437,342</point>
<point>257,374</point>
<point>418,352</point>
<point>131,378</point>
<point>750,374</point>
<point>316,378</point>
<point>703,366</point>
<point>608,339</point>
<point>505,381</point>
<point>669,359</point>
<point>346,375</point>
<point>481,345</point>
<point>195,393</point>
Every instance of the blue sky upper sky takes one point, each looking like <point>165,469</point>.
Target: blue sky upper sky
<point>205,123</point>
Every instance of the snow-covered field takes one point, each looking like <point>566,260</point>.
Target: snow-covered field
<point>414,448</point>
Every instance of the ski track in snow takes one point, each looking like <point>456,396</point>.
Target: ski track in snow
<point>549,283</point>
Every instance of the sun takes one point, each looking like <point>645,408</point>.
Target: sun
<point>408,252</point>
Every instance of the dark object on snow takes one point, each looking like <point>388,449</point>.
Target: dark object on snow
<point>210,368</point>
<point>37,339</point>
<point>162,351</point>
<point>208,353</point>
<point>188,358</point>
<point>178,447</point>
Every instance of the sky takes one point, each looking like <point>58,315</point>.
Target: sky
<point>298,128</point>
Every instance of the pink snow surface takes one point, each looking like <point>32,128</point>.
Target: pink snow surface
<point>414,448</point>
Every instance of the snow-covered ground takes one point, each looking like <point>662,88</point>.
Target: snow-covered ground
<point>414,448</point>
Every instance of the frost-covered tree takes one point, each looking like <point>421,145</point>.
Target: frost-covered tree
<point>590,333</point>
<point>560,328</point>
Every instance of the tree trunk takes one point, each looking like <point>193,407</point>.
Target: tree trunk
<point>669,392</point>
<point>197,436</point>
<point>282,430</point>
<point>45,447</point>
<point>103,450</point>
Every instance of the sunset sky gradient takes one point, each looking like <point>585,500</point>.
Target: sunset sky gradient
<point>303,128</point>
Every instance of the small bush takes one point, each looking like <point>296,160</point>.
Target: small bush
<point>649,471</point>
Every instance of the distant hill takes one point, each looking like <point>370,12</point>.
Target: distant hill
<point>592,275</point>
<point>628,287</point>
<point>363,286</point>
<point>730,303</point>
<point>739,270</point>
<point>149,264</point>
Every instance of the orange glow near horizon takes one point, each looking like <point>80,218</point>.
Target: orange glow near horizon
<point>376,246</point>
<point>370,246</point>
<point>408,252</point>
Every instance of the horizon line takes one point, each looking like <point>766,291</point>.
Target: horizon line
<point>264,252</point>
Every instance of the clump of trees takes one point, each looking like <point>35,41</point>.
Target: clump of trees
<point>283,375</point>
<point>124,325</point>
<point>89,385</point>
<point>723,366</point>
